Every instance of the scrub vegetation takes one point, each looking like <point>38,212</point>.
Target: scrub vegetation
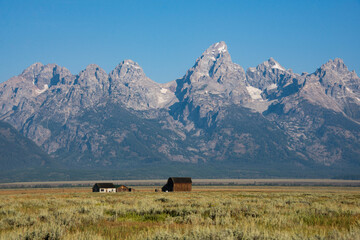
<point>209,213</point>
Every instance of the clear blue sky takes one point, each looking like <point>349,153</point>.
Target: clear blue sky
<point>166,36</point>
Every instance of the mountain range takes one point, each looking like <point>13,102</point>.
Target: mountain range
<point>217,121</point>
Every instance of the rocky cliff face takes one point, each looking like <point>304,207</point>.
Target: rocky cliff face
<point>334,87</point>
<point>263,120</point>
<point>321,115</point>
<point>212,83</point>
<point>131,87</point>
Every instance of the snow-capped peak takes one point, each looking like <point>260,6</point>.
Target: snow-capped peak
<point>219,47</point>
<point>128,64</point>
<point>274,64</point>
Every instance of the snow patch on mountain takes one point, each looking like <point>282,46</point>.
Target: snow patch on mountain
<point>272,86</point>
<point>164,97</point>
<point>38,91</point>
<point>254,93</point>
<point>161,99</point>
<point>277,66</point>
<point>222,48</point>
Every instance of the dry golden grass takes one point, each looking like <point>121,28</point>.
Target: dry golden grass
<point>205,213</point>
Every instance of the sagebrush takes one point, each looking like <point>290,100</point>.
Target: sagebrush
<point>193,215</point>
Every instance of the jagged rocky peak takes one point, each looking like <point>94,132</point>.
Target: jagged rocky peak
<point>38,68</point>
<point>128,63</point>
<point>92,72</point>
<point>92,67</point>
<point>337,65</point>
<point>131,87</point>
<point>214,61</point>
<point>33,69</point>
<point>266,74</point>
<point>271,63</point>
<point>127,67</point>
<point>217,50</point>
<point>215,66</point>
<point>45,76</point>
<point>215,69</point>
<point>93,77</point>
<point>333,71</point>
<point>336,81</point>
<point>214,81</point>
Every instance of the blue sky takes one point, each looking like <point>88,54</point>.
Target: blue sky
<point>166,36</point>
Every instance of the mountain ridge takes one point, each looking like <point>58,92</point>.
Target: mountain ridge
<point>125,119</point>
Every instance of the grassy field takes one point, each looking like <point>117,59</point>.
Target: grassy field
<point>229,212</point>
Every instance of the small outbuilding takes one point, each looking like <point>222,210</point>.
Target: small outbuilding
<point>123,188</point>
<point>104,187</point>
<point>178,184</point>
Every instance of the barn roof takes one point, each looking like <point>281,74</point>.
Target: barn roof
<point>105,185</point>
<point>181,179</point>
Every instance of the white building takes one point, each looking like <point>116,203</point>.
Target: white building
<point>104,187</point>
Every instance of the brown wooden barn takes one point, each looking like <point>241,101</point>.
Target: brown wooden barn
<point>177,184</point>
